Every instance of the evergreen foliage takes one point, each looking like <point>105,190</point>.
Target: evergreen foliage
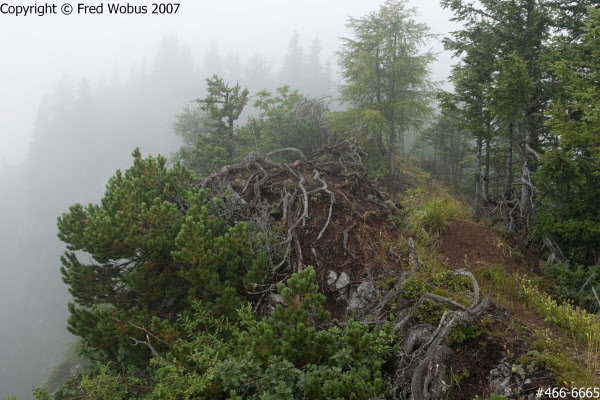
<point>93,123</point>
<point>223,105</point>
<point>276,126</point>
<point>508,76</point>
<point>295,353</point>
<point>569,178</point>
<point>386,76</point>
<point>165,303</point>
<point>285,356</point>
<point>211,140</point>
<point>157,244</point>
<point>193,126</point>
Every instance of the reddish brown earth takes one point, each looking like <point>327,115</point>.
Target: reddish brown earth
<point>470,245</point>
<point>371,249</point>
<point>479,246</point>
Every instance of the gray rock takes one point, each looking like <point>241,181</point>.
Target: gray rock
<point>365,295</point>
<point>332,277</point>
<point>342,285</point>
<point>343,281</point>
<point>275,298</point>
<point>268,308</point>
<point>500,379</point>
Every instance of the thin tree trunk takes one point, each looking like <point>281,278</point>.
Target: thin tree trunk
<point>392,151</point>
<point>477,205</point>
<point>434,159</point>
<point>444,160</point>
<point>452,158</point>
<point>486,176</point>
<point>401,141</point>
<point>381,146</point>
<point>526,201</point>
<point>230,145</point>
<point>461,166</point>
<point>508,180</point>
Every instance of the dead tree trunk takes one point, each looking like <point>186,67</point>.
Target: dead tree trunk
<point>557,254</point>
<point>526,204</point>
<point>424,357</point>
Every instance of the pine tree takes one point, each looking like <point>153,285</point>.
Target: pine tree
<point>223,105</point>
<point>156,244</point>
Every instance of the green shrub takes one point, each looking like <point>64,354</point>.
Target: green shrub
<point>285,356</point>
<point>568,280</point>
<point>155,244</point>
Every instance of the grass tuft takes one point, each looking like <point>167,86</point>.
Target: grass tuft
<point>434,216</point>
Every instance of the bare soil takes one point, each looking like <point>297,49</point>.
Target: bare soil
<point>472,245</point>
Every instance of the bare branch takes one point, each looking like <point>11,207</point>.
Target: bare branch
<point>247,162</point>
<point>287,149</point>
<point>332,200</point>
<point>532,151</point>
<point>346,249</point>
<point>412,256</point>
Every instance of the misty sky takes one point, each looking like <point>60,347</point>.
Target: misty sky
<point>38,51</point>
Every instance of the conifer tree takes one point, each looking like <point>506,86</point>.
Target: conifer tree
<point>292,70</point>
<point>258,73</point>
<point>155,245</point>
<point>223,105</point>
<point>386,74</point>
<point>569,177</point>
<point>508,42</point>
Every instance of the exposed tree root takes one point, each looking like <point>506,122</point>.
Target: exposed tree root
<point>300,200</point>
<point>424,357</point>
<point>263,179</point>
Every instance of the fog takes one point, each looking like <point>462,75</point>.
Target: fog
<point>80,92</point>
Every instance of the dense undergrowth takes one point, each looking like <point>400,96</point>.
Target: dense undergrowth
<point>299,351</point>
<point>217,277</point>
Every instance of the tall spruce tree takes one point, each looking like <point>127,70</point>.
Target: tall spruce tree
<point>468,105</point>
<point>514,35</point>
<point>569,177</point>
<point>292,70</point>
